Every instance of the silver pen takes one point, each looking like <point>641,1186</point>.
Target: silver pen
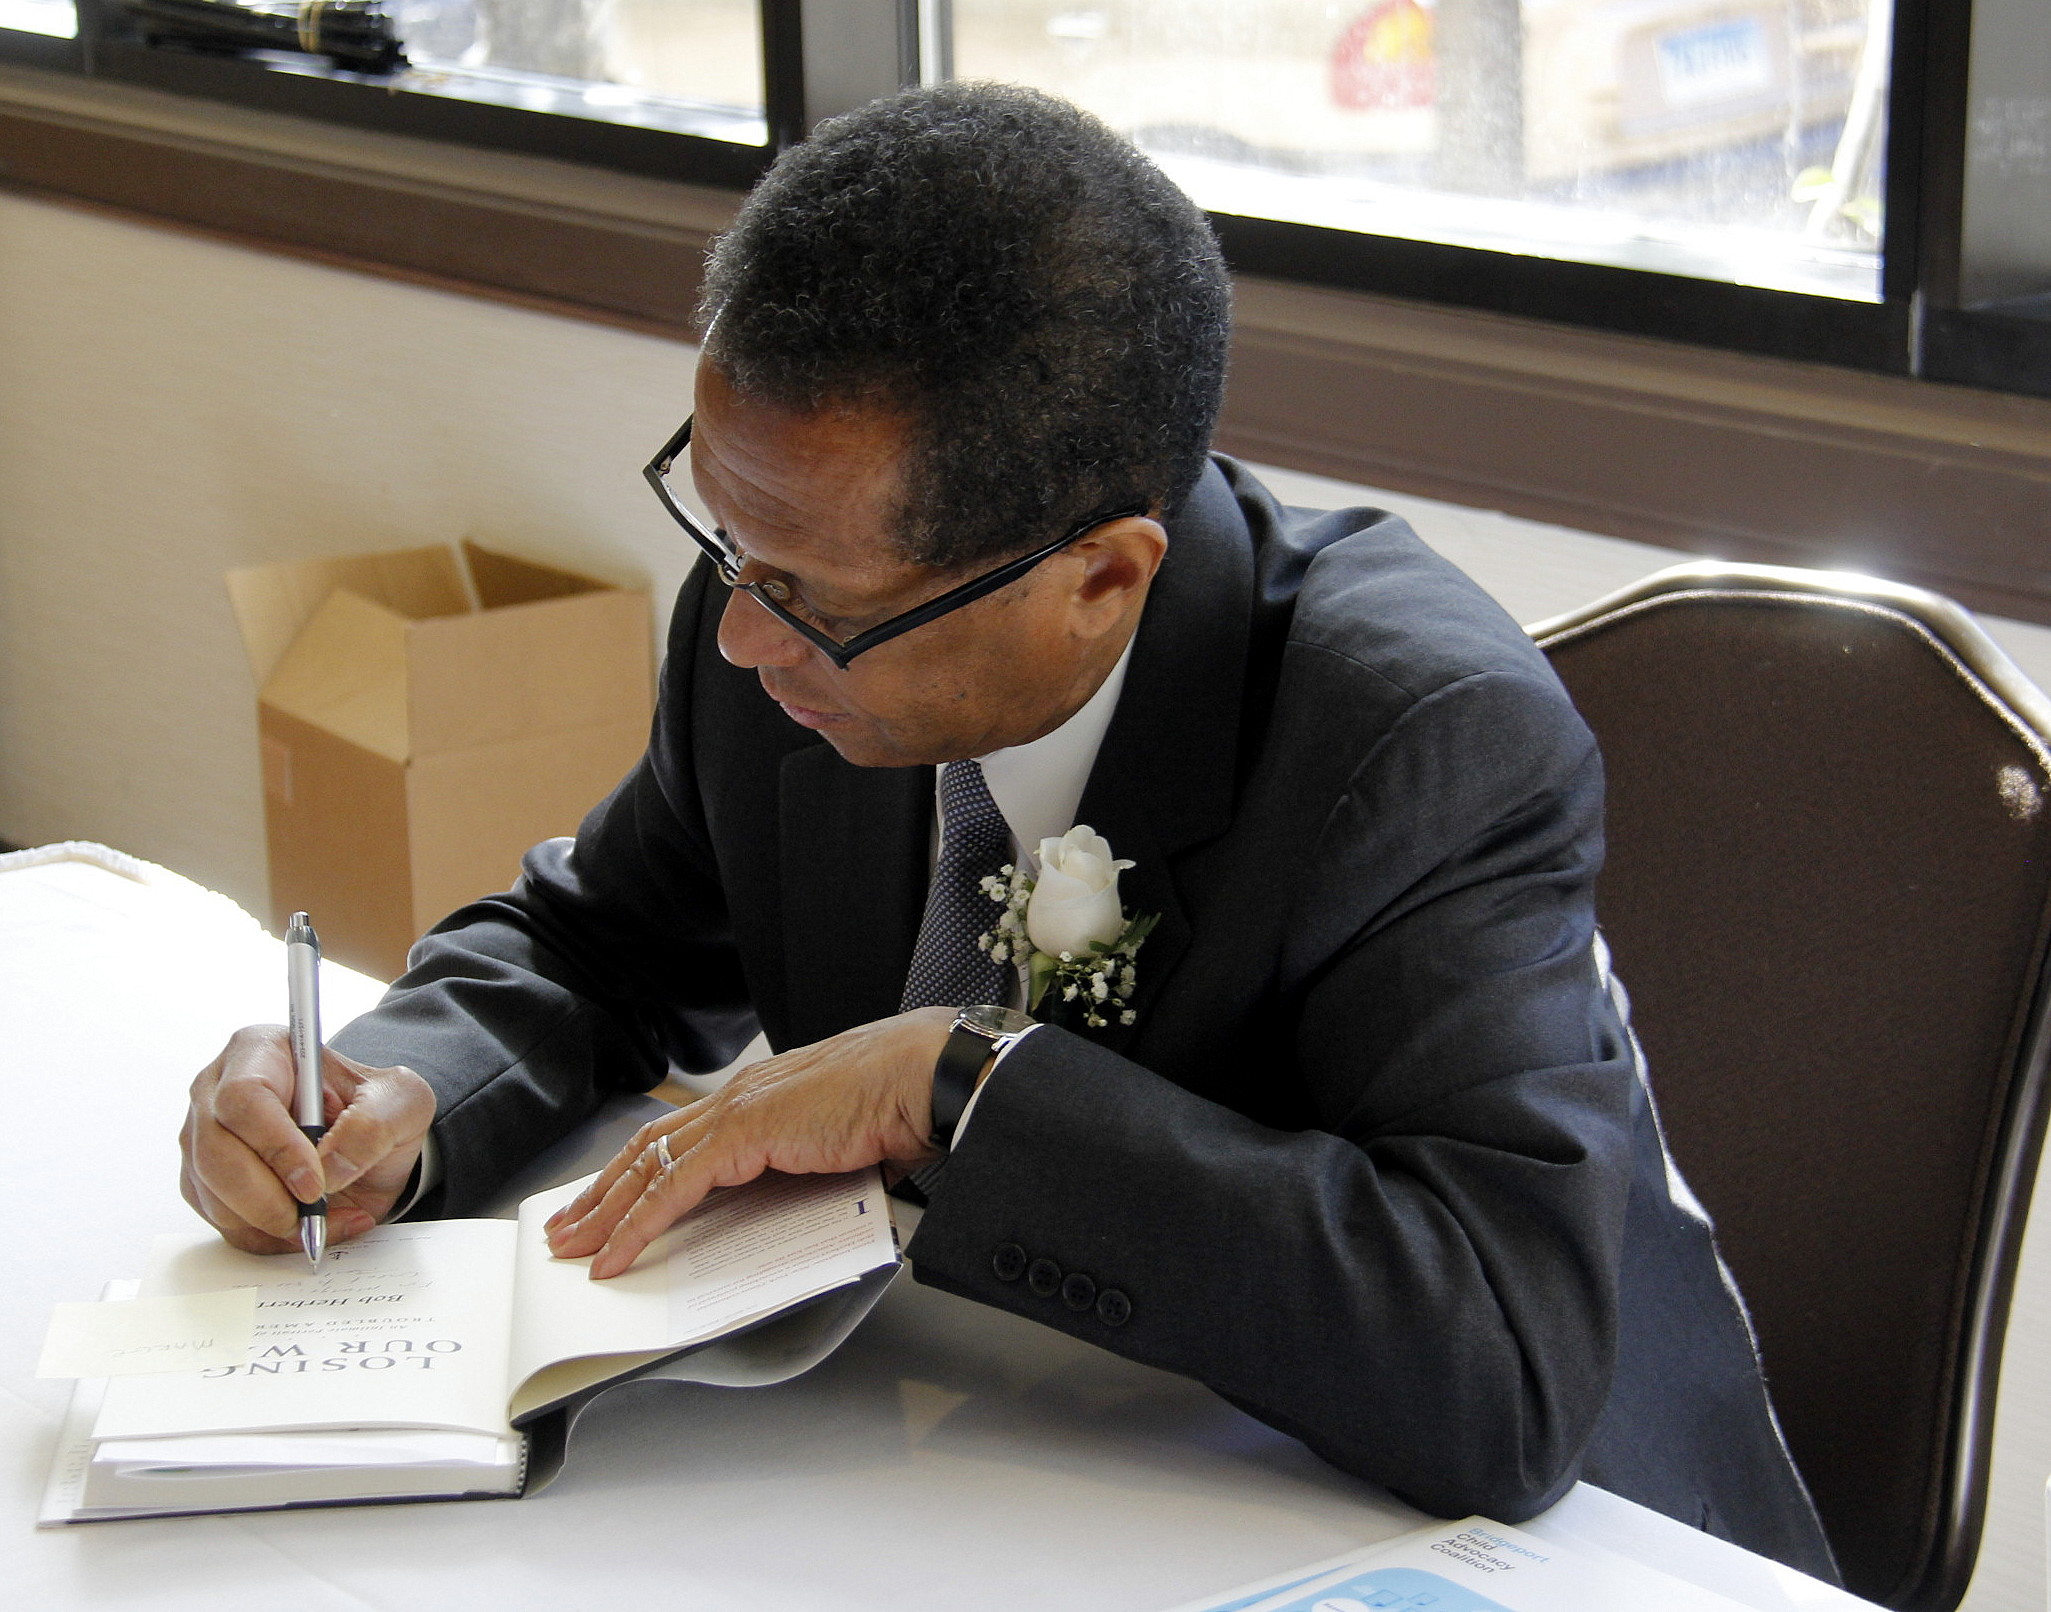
<point>302,985</point>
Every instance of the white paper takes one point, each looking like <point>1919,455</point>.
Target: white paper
<point>1479,1566</point>
<point>404,1326</point>
<point>253,1452</point>
<point>745,1253</point>
<point>141,1337</point>
<point>752,1250</point>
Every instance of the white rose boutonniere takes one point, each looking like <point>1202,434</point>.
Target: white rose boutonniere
<point>1067,927</point>
<point>1074,902</point>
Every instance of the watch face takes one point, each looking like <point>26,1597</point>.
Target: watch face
<point>993,1020</point>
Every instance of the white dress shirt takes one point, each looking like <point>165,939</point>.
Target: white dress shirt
<point>1038,787</point>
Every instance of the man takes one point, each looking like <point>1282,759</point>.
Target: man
<point>1359,1142</point>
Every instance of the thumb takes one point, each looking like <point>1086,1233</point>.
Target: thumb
<point>389,1111</point>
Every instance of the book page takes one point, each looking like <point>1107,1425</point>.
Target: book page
<point>787,1345</point>
<point>403,1327</point>
<point>746,1253</point>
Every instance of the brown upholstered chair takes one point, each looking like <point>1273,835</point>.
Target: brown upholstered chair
<point>1827,888</point>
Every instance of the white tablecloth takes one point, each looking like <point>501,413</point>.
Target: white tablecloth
<point>949,1456</point>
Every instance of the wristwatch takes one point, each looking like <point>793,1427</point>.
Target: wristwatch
<point>980,1034</point>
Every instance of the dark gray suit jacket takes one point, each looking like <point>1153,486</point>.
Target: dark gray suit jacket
<point>1373,1162</point>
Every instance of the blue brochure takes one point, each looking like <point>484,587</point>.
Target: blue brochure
<point>1471,1566</point>
<point>1373,1589</point>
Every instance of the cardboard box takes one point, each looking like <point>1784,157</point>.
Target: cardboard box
<point>425,717</point>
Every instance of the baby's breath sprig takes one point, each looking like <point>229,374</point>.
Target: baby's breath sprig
<point>1007,942</point>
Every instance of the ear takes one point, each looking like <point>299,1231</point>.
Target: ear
<point>1112,569</point>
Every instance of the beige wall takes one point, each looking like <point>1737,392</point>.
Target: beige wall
<point>171,407</point>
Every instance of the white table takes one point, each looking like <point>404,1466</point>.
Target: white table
<point>948,1456</point>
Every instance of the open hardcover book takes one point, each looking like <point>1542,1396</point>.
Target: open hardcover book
<point>445,1359</point>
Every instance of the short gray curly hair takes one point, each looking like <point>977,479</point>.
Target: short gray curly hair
<point>1048,311</point>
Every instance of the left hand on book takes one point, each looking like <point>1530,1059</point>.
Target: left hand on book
<point>859,1098</point>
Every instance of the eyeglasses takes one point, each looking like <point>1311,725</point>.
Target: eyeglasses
<point>770,593</point>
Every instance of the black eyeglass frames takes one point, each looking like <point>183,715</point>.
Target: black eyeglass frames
<point>728,560</point>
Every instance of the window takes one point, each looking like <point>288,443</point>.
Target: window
<point>687,66</point>
<point>54,19</point>
<point>1734,140</point>
<point>1861,182</point>
<point>675,88</point>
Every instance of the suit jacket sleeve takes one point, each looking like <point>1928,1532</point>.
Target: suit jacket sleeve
<point>1423,1286</point>
<point>611,957</point>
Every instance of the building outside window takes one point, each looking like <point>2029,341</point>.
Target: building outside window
<point>1648,166</point>
<point>1735,140</point>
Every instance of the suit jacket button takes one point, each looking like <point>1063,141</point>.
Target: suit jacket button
<point>1078,1292</point>
<point>1043,1276</point>
<point>1009,1262</point>
<point>1114,1309</point>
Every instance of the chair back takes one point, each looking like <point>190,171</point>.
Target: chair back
<point>1826,893</point>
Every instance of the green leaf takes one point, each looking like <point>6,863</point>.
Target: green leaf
<point>1136,932</point>
<point>1039,975</point>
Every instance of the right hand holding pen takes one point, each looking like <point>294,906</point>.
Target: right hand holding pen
<point>247,1165</point>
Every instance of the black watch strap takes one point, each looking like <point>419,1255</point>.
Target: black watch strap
<point>960,1066</point>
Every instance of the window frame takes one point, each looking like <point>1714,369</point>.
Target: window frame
<point>1918,327</point>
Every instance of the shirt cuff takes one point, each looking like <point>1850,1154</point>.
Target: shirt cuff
<point>427,1175</point>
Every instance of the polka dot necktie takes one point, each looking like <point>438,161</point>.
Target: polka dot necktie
<point>948,970</point>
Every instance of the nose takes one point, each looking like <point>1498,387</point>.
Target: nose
<point>750,636</point>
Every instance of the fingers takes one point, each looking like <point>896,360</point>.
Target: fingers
<point>586,1232</point>
<point>666,1201</point>
<point>247,1165</point>
<point>583,1226</point>
<point>351,1215</point>
<point>653,1182</point>
<point>372,1147</point>
<point>250,1106</point>
<point>231,1226</point>
<point>857,1099</point>
<point>386,1116</point>
<point>247,1159</point>
<point>668,1195</point>
<point>618,1165</point>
